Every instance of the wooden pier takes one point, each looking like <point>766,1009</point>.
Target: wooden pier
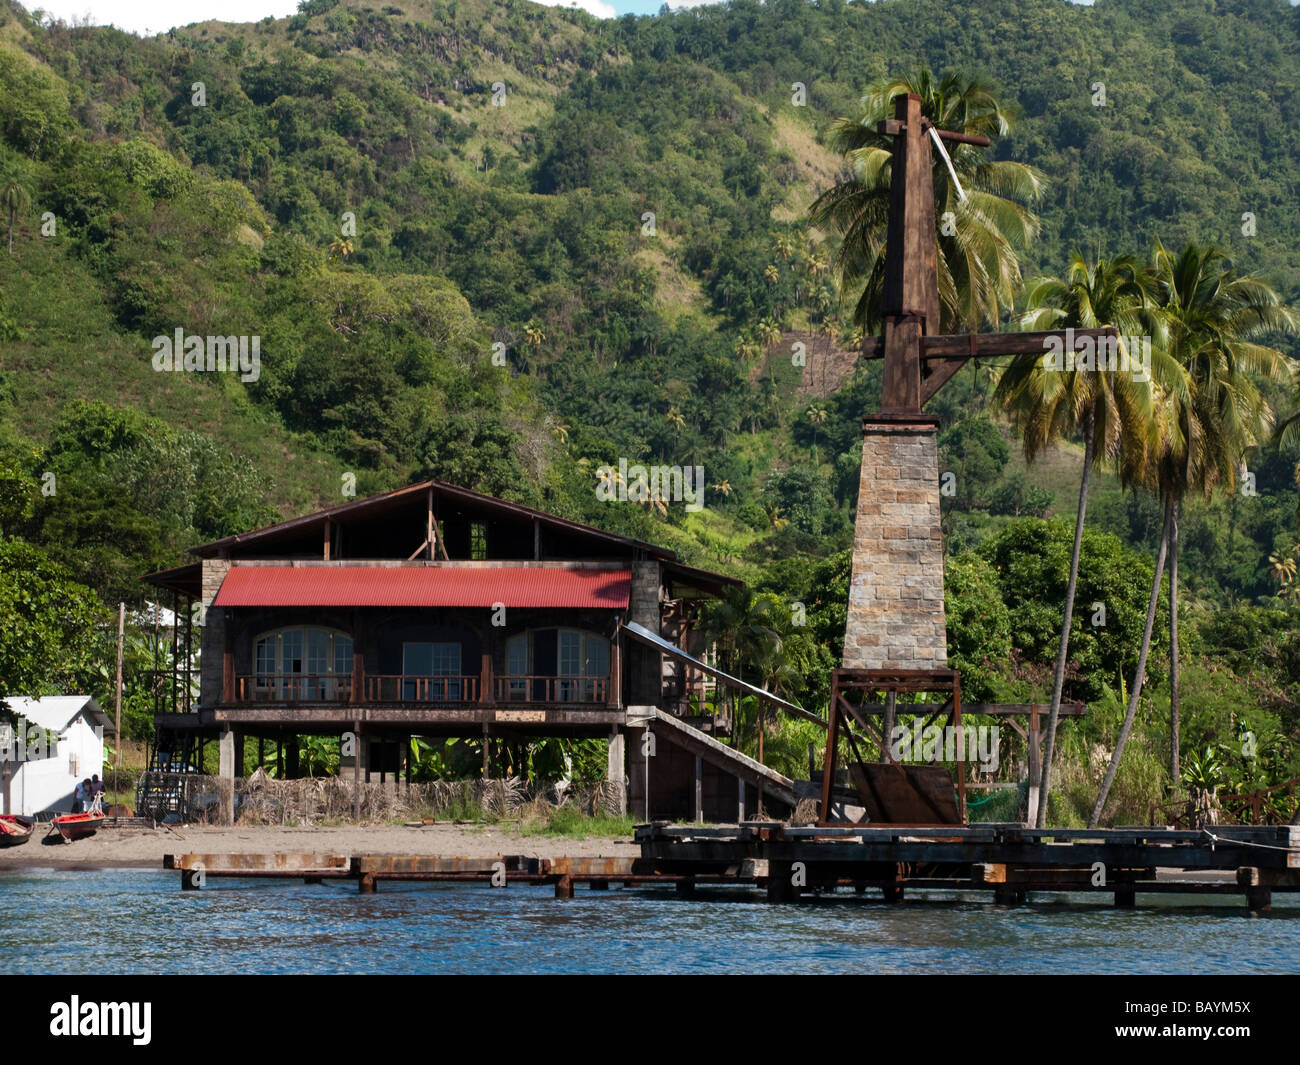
<point>598,873</point>
<point>1006,862</point>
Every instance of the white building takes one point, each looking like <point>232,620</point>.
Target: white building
<point>63,743</point>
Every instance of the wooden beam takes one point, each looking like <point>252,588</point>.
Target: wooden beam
<point>957,138</point>
<point>429,528</point>
<point>852,711</point>
<point>437,539</point>
<point>984,345</point>
<point>938,376</point>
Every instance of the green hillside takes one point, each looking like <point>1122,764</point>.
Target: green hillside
<point>504,244</point>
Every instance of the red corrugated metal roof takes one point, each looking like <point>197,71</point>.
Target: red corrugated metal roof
<point>425,586</point>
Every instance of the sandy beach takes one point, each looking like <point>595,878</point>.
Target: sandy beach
<point>144,848</point>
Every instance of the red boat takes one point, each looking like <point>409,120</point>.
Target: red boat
<point>15,830</point>
<point>77,826</point>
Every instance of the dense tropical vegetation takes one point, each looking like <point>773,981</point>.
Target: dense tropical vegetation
<point>506,244</point>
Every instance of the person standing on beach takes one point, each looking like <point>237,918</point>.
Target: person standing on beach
<point>79,797</point>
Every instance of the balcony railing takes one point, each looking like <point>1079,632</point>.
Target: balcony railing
<point>532,689</point>
<point>294,688</point>
<point>410,688</point>
<point>418,688</point>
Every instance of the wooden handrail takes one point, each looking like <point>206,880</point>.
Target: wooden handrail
<point>533,688</point>
<point>252,688</point>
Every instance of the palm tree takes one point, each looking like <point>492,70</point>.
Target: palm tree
<point>1282,568</point>
<point>1212,315</point>
<point>16,199</point>
<point>1048,403</point>
<point>978,263</point>
<point>817,415</point>
<point>746,628</point>
<point>769,332</point>
<point>747,348</point>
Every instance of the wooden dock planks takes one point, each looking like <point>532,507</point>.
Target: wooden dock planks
<point>1008,860</point>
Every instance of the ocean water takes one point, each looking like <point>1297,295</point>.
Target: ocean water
<point>139,921</point>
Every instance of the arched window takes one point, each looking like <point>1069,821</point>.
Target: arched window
<point>303,663</point>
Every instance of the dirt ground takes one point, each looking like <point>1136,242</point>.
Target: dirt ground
<point>145,848</point>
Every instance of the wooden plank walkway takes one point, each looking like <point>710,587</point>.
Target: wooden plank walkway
<point>598,873</point>
<point>1008,859</point>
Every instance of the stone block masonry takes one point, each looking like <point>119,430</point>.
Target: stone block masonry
<point>896,615</point>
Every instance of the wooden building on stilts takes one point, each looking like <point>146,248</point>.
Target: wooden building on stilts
<point>437,611</point>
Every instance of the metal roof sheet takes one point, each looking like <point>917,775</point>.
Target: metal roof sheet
<point>425,586</point>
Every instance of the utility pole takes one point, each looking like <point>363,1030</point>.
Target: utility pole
<point>117,695</point>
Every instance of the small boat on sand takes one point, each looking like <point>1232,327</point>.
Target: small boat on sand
<point>15,830</point>
<point>78,826</point>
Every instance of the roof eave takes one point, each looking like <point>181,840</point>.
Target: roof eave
<point>214,547</point>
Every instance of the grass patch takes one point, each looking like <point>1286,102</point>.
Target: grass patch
<point>572,823</point>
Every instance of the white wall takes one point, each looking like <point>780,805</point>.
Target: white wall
<point>45,786</point>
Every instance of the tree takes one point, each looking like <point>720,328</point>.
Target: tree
<point>817,414</point>
<point>1202,432</point>
<point>979,237</point>
<point>746,626</point>
<point>1049,402</point>
<point>16,198</point>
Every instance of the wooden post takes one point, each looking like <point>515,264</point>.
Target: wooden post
<point>117,695</point>
<point>1035,761</point>
<point>428,532</point>
<point>226,772</point>
<point>780,882</point>
<point>887,733</point>
<point>189,655</point>
<point>828,763</point>
<point>740,789</point>
<point>325,548</point>
<point>961,762</point>
<point>699,789</point>
<point>616,671</point>
<point>486,769</point>
<point>486,695</point>
<point>564,888</point>
<point>356,776</point>
<point>228,671</point>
